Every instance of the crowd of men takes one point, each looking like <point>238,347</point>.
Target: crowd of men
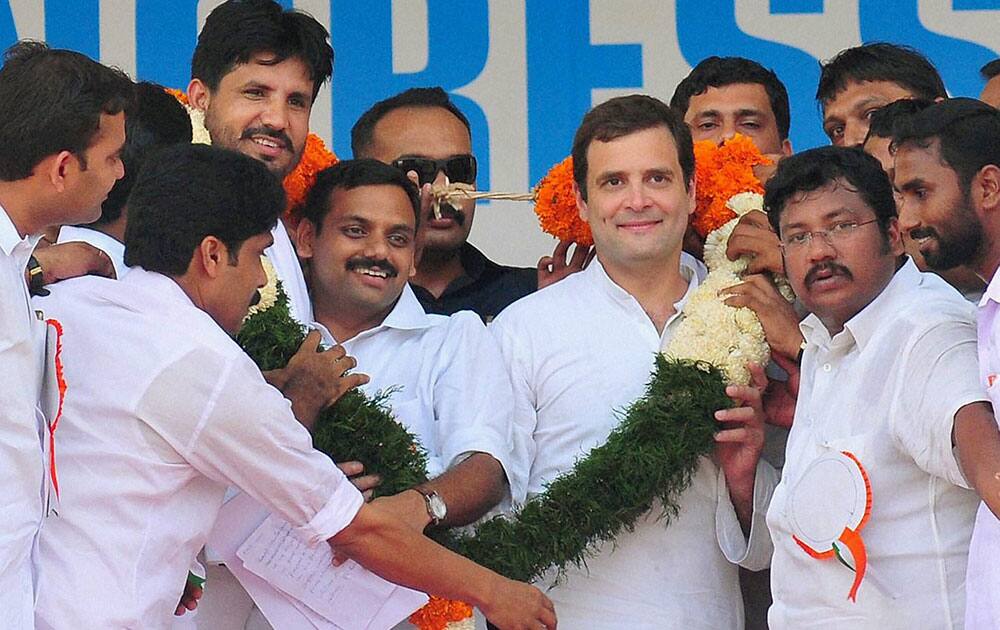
<point>861,468</point>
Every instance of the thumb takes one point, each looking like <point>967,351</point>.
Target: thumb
<point>311,342</point>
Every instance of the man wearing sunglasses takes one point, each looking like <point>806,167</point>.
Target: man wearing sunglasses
<point>422,132</point>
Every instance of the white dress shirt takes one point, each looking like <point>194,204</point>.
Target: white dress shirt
<point>447,381</point>
<point>579,352</point>
<point>886,389</point>
<point>163,411</point>
<point>983,577</point>
<point>21,461</point>
<point>111,246</point>
<point>286,263</point>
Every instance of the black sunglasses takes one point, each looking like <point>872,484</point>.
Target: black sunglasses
<point>458,168</point>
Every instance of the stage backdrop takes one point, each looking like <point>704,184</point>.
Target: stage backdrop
<point>525,71</point>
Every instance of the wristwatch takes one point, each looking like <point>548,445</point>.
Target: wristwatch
<point>36,278</point>
<point>436,507</point>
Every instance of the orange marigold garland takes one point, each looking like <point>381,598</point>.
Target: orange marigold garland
<point>720,173</point>
<point>438,613</point>
<point>555,205</point>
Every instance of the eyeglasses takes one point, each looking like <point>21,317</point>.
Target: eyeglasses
<point>458,168</point>
<point>839,233</point>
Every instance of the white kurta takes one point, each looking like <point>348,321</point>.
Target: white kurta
<point>983,577</point>
<point>286,264</point>
<point>114,248</point>
<point>579,352</point>
<point>163,411</point>
<point>21,461</point>
<point>886,388</point>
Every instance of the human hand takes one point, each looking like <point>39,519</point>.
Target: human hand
<point>518,606</point>
<point>754,238</point>
<point>366,484</point>
<point>552,269</point>
<point>780,397</point>
<point>315,380</point>
<point>189,599</point>
<point>72,260</point>
<point>776,314</point>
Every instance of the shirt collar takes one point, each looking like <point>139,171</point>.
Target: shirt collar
<point>165,287</point>
<point>9,236</point>
<point>407,314</point>
<point>690,270</point>
<point>992,291</point>
<point>863,326</point>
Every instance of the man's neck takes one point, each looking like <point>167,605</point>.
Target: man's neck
<point>21,207</point>
<point>438,269</point>
<point>655,285</point>
<point>115,229</point>
<point>987,265</point>
<point>345,323</point>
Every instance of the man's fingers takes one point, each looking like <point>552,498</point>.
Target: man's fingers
<point>757,375</point>
<point>560,252</point>
<point>733,435</point>
<point>580,255</point>
<point>366,483</point>
<point>349,382</point>
<point>346,362</point>
<point>545,264</point>
<point>335,353</point>
<point>351,468</point>
<point>311,342</point>
<point>785,363</point>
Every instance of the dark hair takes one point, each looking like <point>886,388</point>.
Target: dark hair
<point>968,131</point>
<point>880,61</point>
<point>237,30</point>
<point>626,115</point>
<point>816,168</point>
<point>51,100</point>
<point>191,191</point>
<point>990,70</point>
<point>885,118</point>
<point>351,174</point>
<point>719,72</point>
<point>157,120</point>
<point>364,130</point>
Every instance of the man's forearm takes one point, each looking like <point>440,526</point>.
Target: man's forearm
<point>470,489</point>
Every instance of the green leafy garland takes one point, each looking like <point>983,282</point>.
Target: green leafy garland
<point>651,455</point>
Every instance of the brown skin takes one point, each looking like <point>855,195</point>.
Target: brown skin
<point>847,115</point>
<point>991,92</point>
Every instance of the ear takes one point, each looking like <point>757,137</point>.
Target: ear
<point>987,186</point>
<point>581,205</point>
<point>305,236</point>
<point>692,194</point>
<point>59,165</point>
<point>212,256</point>
<point>198,95</point>
<point>895,237</point>
<point>786,147</point>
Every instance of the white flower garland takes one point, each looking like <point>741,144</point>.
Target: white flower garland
<point>711,331</point>
<point>269,293</point>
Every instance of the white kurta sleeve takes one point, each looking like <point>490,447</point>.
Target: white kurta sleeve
<point>753,552</point>
<point>472,398</point>
<point>222,417</point>
<point>941,374</point>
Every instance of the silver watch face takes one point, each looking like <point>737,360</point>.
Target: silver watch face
<point>437,506</point>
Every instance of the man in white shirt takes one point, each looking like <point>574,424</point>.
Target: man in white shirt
<point>256,71</point>
<point>947,171</point>
<point>582,350</point>
<point>156,120</point>
<point>872,518</point>
<point>163,411</point>
<point>49,174</point>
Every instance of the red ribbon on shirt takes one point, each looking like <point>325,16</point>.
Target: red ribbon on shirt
<point>61,383</point>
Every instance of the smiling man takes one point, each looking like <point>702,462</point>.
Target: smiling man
<point>888,387</point>
<point>581,350</point>
<point>255,73</point>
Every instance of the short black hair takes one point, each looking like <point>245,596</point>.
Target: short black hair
<point>719,72</point>
<point>191,191</point>
<point>51,100</point>
<point>157,120</point>
<point>363,131</point>
<point>817,168</point>
<point>968,131</point>
<point>884,118</point>
<point>625,115</point>
<point>351,174</point>
<point>237,30</point>
<point>880,61</point>
<point>990,70</point>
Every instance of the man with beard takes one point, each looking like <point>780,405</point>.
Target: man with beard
<point>421,132</point>
<point>948,172</point>
<point>888,389</point>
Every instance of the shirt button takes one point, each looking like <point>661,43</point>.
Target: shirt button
<point>827,367</point>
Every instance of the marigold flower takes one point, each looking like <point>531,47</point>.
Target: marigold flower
<point>720,173</point>
<point>555,205</point>
<point>439,612</point>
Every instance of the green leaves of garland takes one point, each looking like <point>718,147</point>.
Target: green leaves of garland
<point>651,455</point>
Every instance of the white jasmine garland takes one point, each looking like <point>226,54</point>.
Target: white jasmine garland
<point>199,133</point>
<point>269,293</point>
<point>711,331</point>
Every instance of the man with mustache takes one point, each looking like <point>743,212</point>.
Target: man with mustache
<point>423,133</point>
<point>888,389</point>
<point>947,170</point>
